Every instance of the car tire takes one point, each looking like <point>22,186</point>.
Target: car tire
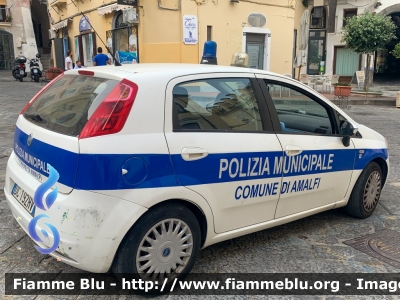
<point>366,192</point>
<point>129,259</point>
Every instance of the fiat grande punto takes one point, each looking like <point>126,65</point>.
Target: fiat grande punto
<point>155,161</point>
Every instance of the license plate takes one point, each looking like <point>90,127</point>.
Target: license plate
<point>23,198</point>
<point>34,70</point>
<point>21,72</point>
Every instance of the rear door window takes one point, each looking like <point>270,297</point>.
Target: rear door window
<point>220,104</point>
<point>66,106</point>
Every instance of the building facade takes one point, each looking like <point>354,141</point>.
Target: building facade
<point>328,48</point>
<point>339,59</point>
<point>174,31</point>
<point>24,26</point>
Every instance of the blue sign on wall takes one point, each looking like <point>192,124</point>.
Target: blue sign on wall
<point>84,24</point>
<point>126,57</point>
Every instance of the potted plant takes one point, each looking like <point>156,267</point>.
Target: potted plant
<point>52,73</point>
<point>342,89</point>
<point>8,18</point>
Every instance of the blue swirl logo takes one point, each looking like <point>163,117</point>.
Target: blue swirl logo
<point>39,202</point>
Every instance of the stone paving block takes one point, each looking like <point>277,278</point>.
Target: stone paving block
<point>349,266</point>
<point>7,221</point>
<point>85,296</point>
<point>59,297</point>
<point>390,199</point>
<point>374,297</point>
<point>343,253</point>
<point>10,237</point>
<point>23,252</point>
<point>5,266</point>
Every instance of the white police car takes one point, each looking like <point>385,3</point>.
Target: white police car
<point>156,161</point>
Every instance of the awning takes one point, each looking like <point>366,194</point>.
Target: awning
<point>55,2</point>
<point>60,25</point>
<point>111,8</point>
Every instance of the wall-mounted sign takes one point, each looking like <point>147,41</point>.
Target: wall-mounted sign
<point>127,57</point>
<point>84,24</point>
<point>127,2</point>
<point>190,30</point>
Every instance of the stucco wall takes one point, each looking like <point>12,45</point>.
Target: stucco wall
<point>160,30</point>
<point>228,21</point>
<point>21,28</point>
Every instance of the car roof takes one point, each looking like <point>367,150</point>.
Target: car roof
<point>177,69</point>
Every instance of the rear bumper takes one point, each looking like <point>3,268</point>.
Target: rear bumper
<point>91,225</point>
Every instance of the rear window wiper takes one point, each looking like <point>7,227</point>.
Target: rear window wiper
<point>35,117</point>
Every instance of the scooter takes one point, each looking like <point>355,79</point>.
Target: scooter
<point>34,66</point>
<point>18,71</point>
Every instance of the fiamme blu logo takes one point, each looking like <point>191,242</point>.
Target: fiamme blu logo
<point>45,204</point>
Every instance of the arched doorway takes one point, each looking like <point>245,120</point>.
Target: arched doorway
<point>387,67</point>
<point>6,50</point>
<point>123,37</point>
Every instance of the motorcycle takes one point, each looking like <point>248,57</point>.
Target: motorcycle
<point>34,66</point>
<point>18,71</point>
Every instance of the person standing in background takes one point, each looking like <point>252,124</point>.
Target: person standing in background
<point>110,58</point>
<point>68,61</point>
<point>100,59</point>
<point>78,65</point>
<point>109,49</point>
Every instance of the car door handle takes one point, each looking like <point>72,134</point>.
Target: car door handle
<point>292,150</point>
<point>193,153</point>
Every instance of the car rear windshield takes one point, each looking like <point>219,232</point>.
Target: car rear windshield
<point>66,106</point>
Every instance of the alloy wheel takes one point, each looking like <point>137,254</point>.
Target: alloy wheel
<point>372,191</point>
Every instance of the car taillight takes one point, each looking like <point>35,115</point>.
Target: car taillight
<point>39,93</point>
<point>111,115</point>
<point>84,72</point>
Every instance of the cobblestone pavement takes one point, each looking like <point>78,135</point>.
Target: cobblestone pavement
<point>313,244</point>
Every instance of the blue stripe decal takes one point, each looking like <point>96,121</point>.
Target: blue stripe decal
<point>104,171</point>
<point>39,154</point>
<point>369,154</point>
<point>231,167</point>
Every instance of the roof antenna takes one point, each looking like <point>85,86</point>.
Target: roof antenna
<point>117,63</point>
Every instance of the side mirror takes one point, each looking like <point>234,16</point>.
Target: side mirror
<point>347,129</point>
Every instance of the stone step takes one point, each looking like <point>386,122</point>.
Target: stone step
<point>45,63</point>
